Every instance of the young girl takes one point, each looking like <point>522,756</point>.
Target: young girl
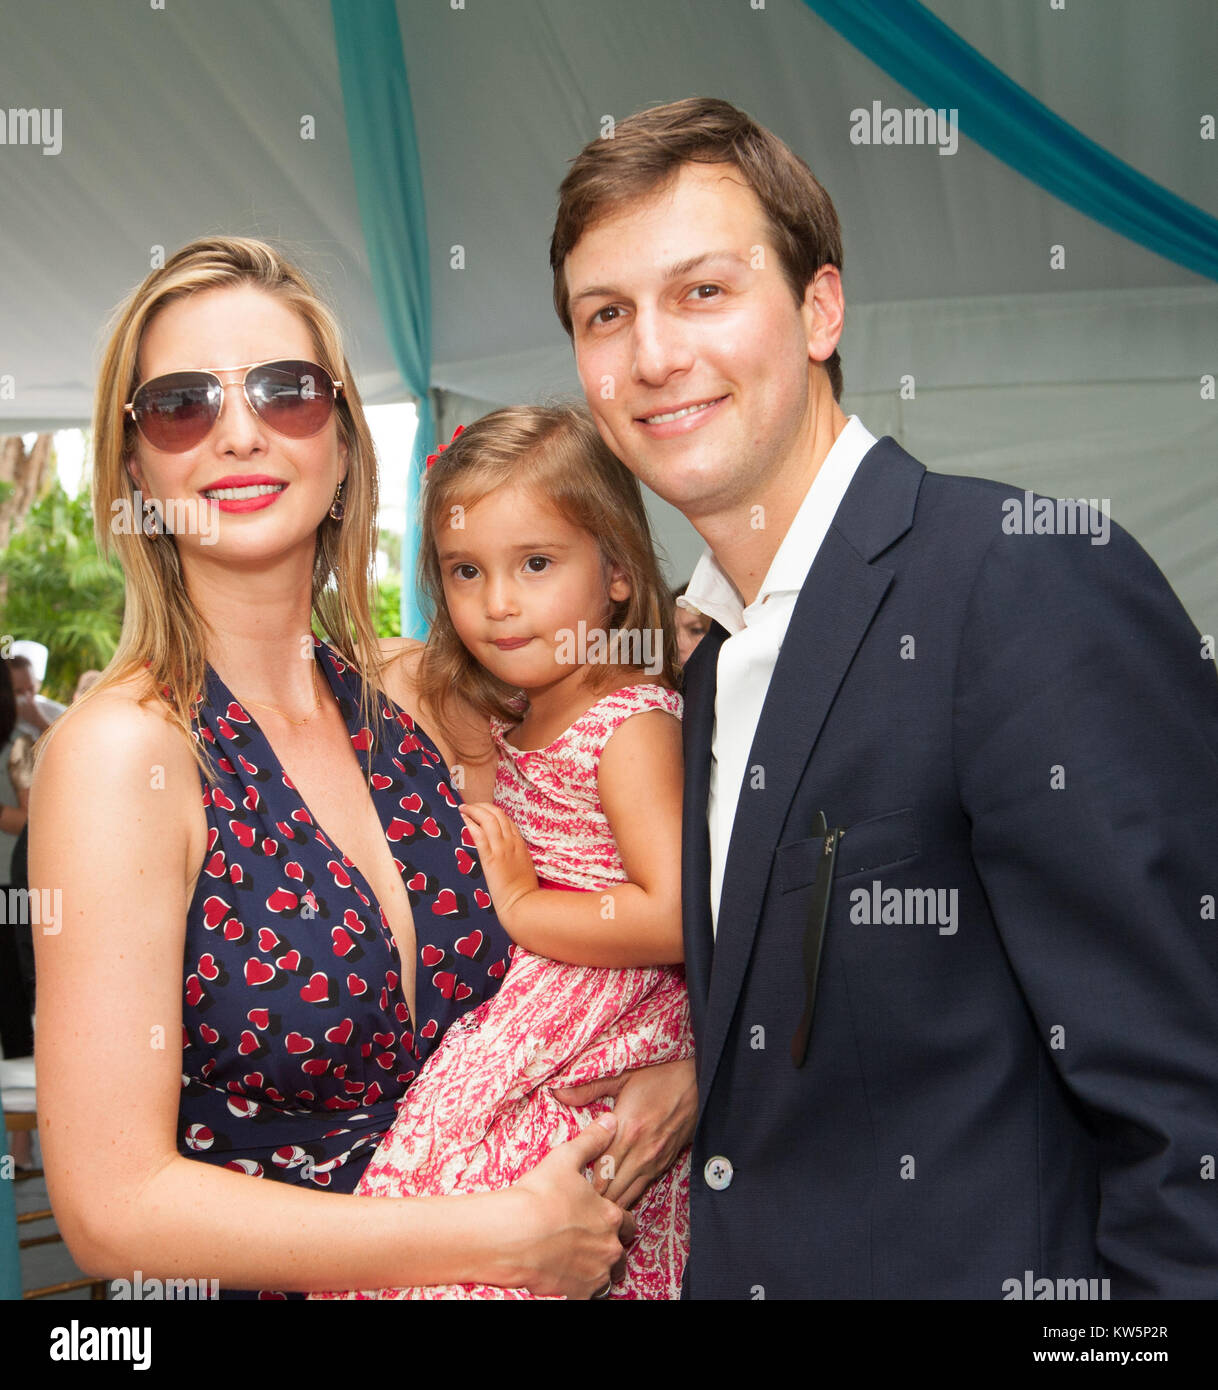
<point>551,616</point>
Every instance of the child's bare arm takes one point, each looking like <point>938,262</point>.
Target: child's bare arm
<point>633,923</point>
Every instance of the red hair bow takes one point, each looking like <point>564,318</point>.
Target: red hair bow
<point>431,458</point>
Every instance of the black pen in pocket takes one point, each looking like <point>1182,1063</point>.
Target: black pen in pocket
<point>814,932</point>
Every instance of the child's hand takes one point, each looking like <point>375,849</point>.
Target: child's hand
<point>505,857</point>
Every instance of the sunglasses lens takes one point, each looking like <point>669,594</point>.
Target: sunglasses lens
<point>174,413</point>
<point>295,398</point>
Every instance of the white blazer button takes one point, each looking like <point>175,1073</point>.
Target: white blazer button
<point>718,1173</point>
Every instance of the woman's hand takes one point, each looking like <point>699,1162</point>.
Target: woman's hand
<point>573,1236</point>
<point>505,857</point>
<point>656,1108</point>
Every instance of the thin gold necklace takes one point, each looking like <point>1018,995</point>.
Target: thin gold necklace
<point>316,706</point>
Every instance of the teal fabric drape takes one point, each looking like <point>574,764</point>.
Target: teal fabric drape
<point>930,60</point>
<point>389,186</point>
<point>10,1254</point>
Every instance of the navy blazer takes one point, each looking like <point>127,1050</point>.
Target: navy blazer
<point>1028,723</point>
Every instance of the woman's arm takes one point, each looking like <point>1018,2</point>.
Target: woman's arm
<point>633,923</point>
<point>111,831</point>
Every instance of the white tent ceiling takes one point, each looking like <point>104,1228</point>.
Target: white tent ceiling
<point>187,119</point>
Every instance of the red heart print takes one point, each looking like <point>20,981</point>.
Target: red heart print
<point>254,1080</point>
<point>244,833</point>
<point>386,1060</point>
<point>445,981</point>
<point>380,781</point>
<point>290,960</point>
<point>297,1042</point>
<point>391,978</point>
<point>465,860</point>
<point>407,1039</point>
<point>226,729</point>
<point>463,992</point>
<point>442,788</point>
<point>482,897</point>
<point>219,799</point>
<point>351,920</point>
<point>234,930</point>
<point>418,882</point>
<point>343,945</point>
<point>356,986</point>
<point>250,799</point>
<point>402,1012</point>
<point>215,865</point>
<point>351,1087</point>
<point>372,1095</point>
<point>236,714</point>
<point>467,837</point>
<point>315,1066</point>
<point>340,1071</point>
<point>384,1001</point>
<point>341,1032</point>
<point>341,877</point>
<point>429,1029</point>
<point>249,1043</point>
<point>497,971</point>
<point>270,847</point>
<point>303,816</point>
<point>470,945</point>
<point>208,967</point>
<point>267,940</point>
<point>398,829</point>
<point>215,910</point>
<point>236,873</point>
<point>413,802</point>
<point>260,1018</point>
<point>258,972</point>
<point>430,827</point>
<point>432,955</point>
<point>281,901</point>
<point>385,1039</point>
<point>209,1035</point>
<point>225,766</point>
<point>445,903</point>
<point>362,740</point>
<point>317,991</point>
<point>406,1077</point>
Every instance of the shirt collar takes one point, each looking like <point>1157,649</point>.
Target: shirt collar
<point>711,592</point>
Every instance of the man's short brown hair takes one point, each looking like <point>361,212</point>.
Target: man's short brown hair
<point>648,149</point>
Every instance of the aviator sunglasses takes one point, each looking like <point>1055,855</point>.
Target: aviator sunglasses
<point>177,411</point>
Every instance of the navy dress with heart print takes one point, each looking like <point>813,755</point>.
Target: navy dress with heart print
<point>297,1039</point>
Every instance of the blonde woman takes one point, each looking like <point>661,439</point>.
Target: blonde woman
<point>259,847</point>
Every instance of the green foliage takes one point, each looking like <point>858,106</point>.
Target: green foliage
<point>387,606</point>
<point>61,592</point>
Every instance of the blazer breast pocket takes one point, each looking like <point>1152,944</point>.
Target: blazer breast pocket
<point>880,842</point>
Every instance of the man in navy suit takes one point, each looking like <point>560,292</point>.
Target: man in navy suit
<point>951,800</point>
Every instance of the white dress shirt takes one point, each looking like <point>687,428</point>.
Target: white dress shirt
<point>750,651</point>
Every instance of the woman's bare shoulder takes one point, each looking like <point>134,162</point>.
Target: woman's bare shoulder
<point>121,725</point>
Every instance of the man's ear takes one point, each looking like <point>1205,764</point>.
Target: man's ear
<point>824,313</point>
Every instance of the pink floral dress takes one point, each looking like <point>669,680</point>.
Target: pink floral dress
<point>481,1113</point>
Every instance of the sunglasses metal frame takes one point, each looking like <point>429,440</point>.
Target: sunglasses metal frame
<point>213,372</point>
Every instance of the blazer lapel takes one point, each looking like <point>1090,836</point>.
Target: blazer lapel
<point>834,610</point>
